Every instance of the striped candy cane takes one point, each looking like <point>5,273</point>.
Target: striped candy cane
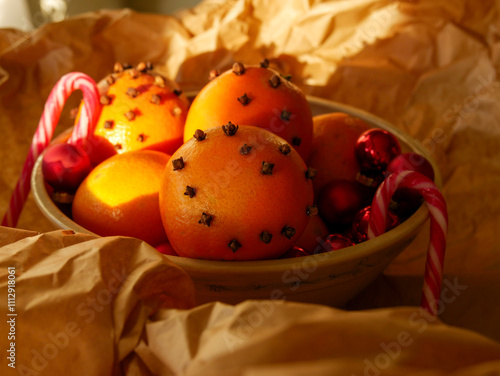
<point>438,227</point>
<point>45,131</point>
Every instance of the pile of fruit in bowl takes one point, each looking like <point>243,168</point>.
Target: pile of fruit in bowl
<point>256,190</point>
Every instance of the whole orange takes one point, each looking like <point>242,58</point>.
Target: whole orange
<point>235,193</point>
<point>333,151</point>
<point>120,197</point>
<point>142,110</point>
<point>257,96</point>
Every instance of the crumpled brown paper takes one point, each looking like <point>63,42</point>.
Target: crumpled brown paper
<point>431,68</point>
<point>263,337</point>
<point>81,301</point>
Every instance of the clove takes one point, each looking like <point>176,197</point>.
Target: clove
<point>288,231</point>
<point>108,124</point>
<point>132,92</point>
<point>311,173</point>
<point>205,219</point>
<point>266,237</point>
<point>285,149</point>
<point>130,115</point>
<point>234,245</point>
<point>230,129</point>
<point>105,99</point>
<point>110,79</point>
<point>190,191</point>
<point>155,99</point>
<point>178,164</point>
<point>133,73</point>
<point>118,67</point>
<point>199,135</point>
<point>238,69</point>
<point>245,149</point>
<point>244,99</point>
<point>267,168</point>
<point>213,74</point>
<point>312,210</point>
<point>285,115</point>
<point>142,66</point>
<point>274,81</point>
<point>160,81</point>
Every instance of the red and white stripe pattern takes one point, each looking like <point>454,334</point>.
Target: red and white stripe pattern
<point>438,227</point>
<point>50,117</point>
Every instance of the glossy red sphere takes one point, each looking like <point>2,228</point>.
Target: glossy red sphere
<point>338,241</point>
<point>340,200</point>
<point>166,249</point>
<point>375,149</point>
<point>359,231</point>
<point>294,252</point>
<point>412,162</point>
<point>64,166</point>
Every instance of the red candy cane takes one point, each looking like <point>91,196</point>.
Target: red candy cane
<point>48,122</point>
<point>438,227</point>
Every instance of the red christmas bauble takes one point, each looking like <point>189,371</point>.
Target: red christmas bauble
<point>64,166</point>
<point>166,249</point>
<point>359,231</point>
<point>375,149</point>
<point>340,200</point>
<point>338,241</point>
<point>294,252</point>
<point>413,162</point>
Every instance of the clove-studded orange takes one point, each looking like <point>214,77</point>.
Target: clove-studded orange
<point>254,95</point>
<point>142,110</point>
<point>235,193</point>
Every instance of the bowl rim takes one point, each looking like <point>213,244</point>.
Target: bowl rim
<point>344,255</point>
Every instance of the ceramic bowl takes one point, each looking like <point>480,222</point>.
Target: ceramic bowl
<point>331,278</point>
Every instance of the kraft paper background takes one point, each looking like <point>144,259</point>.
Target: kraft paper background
<point>429,67</point>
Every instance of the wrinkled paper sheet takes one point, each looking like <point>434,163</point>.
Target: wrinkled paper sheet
<point>429,67</point>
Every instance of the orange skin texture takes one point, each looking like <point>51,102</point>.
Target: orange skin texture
<point>309,240</point>
<point>155,126</point>
<point>231,187</point>
<point>217,104</point>
<point>333,154</point>
<point>120,197</point>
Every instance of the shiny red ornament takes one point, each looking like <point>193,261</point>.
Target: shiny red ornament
<point>166,249</point>
<point>338,241</point>
<point>64,166</point>
<point>294,252</point>
<point>340,200</point>
<point>359,230</point>
<point>413,162</point>
<point>375,149</point>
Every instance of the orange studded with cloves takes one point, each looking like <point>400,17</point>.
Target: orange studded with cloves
<point>235,192</point>
<point>254,95</point>
<point>141,110</point>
